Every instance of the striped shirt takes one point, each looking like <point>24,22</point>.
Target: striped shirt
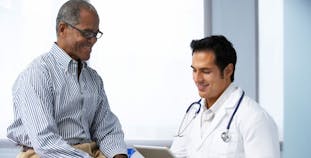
<point>54,109</point>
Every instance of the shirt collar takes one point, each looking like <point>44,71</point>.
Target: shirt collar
<point>64,60</point>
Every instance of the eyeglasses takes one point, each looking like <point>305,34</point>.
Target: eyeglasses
<point>87,34</point>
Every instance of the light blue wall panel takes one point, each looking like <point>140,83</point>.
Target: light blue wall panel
<point>297,77</point>
<point>237,20</point>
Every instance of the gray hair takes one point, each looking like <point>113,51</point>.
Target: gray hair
<point>70,11</point>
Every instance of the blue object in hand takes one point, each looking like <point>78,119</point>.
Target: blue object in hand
<point>130,152</point>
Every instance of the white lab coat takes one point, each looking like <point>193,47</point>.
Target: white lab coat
<point>253,132</point>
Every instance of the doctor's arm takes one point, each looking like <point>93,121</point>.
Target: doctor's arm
<point>260,137</point>
<point>178,147</point>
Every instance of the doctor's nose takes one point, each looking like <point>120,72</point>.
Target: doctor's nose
<point>197,77</point>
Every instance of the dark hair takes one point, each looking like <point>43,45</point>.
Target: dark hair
<point>221,47</point>
<point>70,11</point>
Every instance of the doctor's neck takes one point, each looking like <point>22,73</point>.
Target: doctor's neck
<point>212,97</point>
<point>210,102</point>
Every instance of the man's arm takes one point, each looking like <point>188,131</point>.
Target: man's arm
<point>120,156</point>
<point>179,145</point>
<point>106,129</point>
<point>33,99</point>
<point>179,148</point>
<point>260,137</point>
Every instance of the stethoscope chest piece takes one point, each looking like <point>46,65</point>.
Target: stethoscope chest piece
<point>225,137</point>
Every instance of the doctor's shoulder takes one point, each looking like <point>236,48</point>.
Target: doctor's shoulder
<point>252,115</point>
<point>258,129</point>
<point>253,118</point>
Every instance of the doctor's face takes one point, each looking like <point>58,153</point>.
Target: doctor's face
<point>209,79</point>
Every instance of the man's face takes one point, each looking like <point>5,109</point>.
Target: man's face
<point>77,46</point>
<point>207,76</point>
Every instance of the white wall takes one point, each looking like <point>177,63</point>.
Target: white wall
<point>143,57</point>
<point>271,80</point>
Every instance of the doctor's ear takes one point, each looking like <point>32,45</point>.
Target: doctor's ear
<point>228,71</point>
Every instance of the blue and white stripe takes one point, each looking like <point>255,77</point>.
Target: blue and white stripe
<point>53,109</point>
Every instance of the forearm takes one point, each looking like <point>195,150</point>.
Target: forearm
<point>113,143</point>
<point>36,112</point>
<point>47,143</point>
<point>178,147</point>
<point>106,130</point>
<point>63,151</point>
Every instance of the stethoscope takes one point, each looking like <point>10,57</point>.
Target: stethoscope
<point>224,135</point>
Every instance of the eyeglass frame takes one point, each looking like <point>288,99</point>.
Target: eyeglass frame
<point>87,34</point>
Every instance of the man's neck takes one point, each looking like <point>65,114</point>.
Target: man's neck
<point>211,101</point>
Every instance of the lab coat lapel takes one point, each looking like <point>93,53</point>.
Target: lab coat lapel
<point>228,101</point>
<point>196,134</point>
<point>215,123</point>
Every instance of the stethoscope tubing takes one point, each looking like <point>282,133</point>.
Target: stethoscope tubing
<point>235,110</point>
<point>197,102</point>
<point>179,134</point>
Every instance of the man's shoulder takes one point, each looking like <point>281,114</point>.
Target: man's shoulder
<point>93,73</point>
<point>251,112</point>
<point>36,73</point>
<point>250,106</point>
<point>38,66</point>
<point>40,62</point>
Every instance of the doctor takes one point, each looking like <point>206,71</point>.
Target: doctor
<point>229,124</point>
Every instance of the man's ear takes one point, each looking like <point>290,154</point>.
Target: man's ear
<point>228,70</point>
<point>61,28</point>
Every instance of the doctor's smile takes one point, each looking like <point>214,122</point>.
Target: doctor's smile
<point>202,87</point>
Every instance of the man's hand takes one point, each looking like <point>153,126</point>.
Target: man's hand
<point>120,156</point>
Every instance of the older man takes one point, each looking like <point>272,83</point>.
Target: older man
<point>60,106</point>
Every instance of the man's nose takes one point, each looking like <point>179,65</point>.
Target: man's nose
<point>197,76</point>
<point>92,40</point>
